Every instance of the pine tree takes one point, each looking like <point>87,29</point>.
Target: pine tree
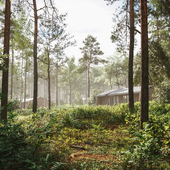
<point>91,51</point>
<point>4,100</point>
<point>144,64</point>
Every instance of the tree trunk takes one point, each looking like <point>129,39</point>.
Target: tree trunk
<point>12,65</point>
<point>21,94</point>
<point>25,88</point>
<point>131,49</point>
<point>88,74</point>
<point>4,100</point>
<point>157,24</point>
<point>57,85</point>
<point>144,64</point>
<point>44,92</point>
<point>127,18</point>
<point>49,94</point>
<point>86,84</point>
<point>35,58</point>
<point>70,95</point>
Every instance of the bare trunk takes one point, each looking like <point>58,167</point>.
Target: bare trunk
<point>127,17</point>
<point>21,93</point>
<point>144,64</point>
<point>88,73</point>
<point>49,94</point>
<point>25,88</point>
<point>86,84</point>
<point>44,92</point>
<point>35,58</point>
<point>12,65</point>
<point>56,85</point>
<point>70,95</point>
<point>159,57</point>
<point>131,49</point>
<point>4,100</point>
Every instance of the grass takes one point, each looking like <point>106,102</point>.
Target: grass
<point>88,137</point>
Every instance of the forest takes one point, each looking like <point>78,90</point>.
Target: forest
<point>68,130</point>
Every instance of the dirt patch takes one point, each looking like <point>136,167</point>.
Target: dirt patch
<point>88,156</point>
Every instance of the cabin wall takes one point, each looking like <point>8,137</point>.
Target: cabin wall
<point>111,100</point>
<point>137,97</point>
<point>41,103</point>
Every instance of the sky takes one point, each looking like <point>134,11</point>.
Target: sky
<point>88,17</point>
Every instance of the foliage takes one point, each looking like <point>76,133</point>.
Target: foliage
<point>92,99</point>
<point>14,104</point>
<point>91,52</point>
<point>100,137</point>
<point>78,100</point>
<point>69,75</point>
<point>152,148</point>
<point>116,71</point>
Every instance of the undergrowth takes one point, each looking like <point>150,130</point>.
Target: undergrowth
<point>86,137</point>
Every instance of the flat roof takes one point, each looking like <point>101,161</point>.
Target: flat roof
<point>106,93</point>
<point>121,91</point>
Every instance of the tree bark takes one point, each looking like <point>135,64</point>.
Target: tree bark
<point>86,83</point>
<point>21,94</point>
<point>35,58</point>
<point>25,85</point>
<point>144,64</point>
<point>70,95</point>
<point>44,92</point>
<point>88,74</point>
<point>57,85</point>
<point>12,67</point>
<point>131,51</point>
<point>49,94</point>
<point>4,100</point>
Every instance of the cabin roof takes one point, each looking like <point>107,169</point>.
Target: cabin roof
<point>106,93</point>
<point>31,99</point>
<point>122,91</point>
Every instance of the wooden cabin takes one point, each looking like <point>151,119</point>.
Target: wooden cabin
<point>116,96</point>
<point>42,102</point>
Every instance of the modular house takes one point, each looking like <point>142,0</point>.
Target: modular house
<point>42,102</point>
<point>116,96</point>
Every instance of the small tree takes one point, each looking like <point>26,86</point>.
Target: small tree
<point>91,51</point>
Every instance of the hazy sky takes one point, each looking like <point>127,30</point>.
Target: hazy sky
<point>88,17</point>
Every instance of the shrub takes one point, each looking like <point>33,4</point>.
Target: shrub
<point>14,104</point>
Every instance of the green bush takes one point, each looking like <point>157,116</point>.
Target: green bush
<point>92,99</point>
<point>152,142</point>
<point>14,104</point>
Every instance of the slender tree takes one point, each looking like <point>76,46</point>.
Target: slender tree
<point>4,100</point>
<point>131,49</point>
<point>34,109</point>
<point>144,64</point>
<point>91,51</point>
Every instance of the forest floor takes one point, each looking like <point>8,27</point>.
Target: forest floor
<point>86,138</point>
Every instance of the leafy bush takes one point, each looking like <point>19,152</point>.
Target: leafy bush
<point>92,99</point>
<point>78,100</point>
<point>152,141</point>
<point>14,104</point>
<point>62,102</point>
<point>22,143</point>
